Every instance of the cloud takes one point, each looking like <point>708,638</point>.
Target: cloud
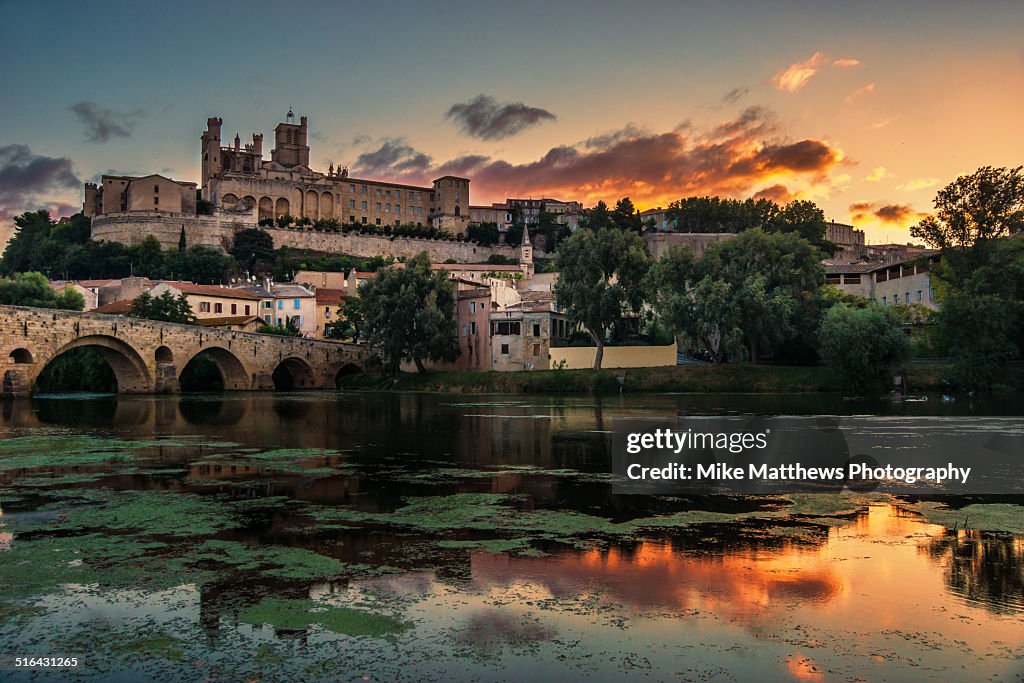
<point>869,88</point>
<point>893,214</point>
<point>31,181</point>
<point>735,95</point>
<point>880,173</point>
<point>393,156</point>
<point>735,158</point>
<point>101,125</point>
<point>779,194</point>
<point>795,76</point>
<point>482,117</point>
<point>918,184</point>
<point>880,124</point>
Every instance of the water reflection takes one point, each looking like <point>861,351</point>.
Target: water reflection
<point>806,599</point>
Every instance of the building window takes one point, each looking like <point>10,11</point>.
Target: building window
<point>351,219</point>
<point>378,206</point>
<point>280,304</point>
<point>463,330</point>
<point>327,312</point>
<point>364,220</point>
<point>352,189</point>
<point>295,304</point>
<point>156,200</point>
<point>378,191</point>
<point>536,331</point>
<point>387,208</point>
<point>266,318</point>
<point>472,328</point>
<point>156,188</point>
<point>506,328</point>
<point>204,306</point>
<point>378,221</point>
<point>472,307</point>
<point>234,309</point>
<point>365,190</point>
<point>351,203</point>
<point>504,349</point>
<point>398,208</point>
<point>268,304</point>
<point>247,309</point>
<point>907,297</point>
<point>364,206</point>
<point>218,308</point>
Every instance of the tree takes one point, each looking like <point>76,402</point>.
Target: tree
<point>182,242</point>
<point>30,228</point>
<point>349,321</point>
<point>252,245</point>
<point>201,264</point>
<point>410,314</point>
<point>864,344</point>
<point>804,218</point>
<point>33,289</point>
<point>601,278</point>
<point>980,279</point>
<point>625,216</point>
<point>166,308</point>
<point>289,329</point>
<point>597,217</point>
<point>485,234</point>
<point>758,291</point>
<point>973,209</point>
<point>147,257</point>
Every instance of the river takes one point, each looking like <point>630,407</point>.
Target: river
<point>412,536</point>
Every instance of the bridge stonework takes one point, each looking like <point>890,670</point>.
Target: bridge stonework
<point>149,357</point>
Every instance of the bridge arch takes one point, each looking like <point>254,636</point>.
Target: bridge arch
<point>130,370</point>
<point>293,373</point>
<point>346,370</point>
<point>21,356</point>
<point>232,372</point>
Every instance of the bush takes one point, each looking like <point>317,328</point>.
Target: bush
<point>863,344</point>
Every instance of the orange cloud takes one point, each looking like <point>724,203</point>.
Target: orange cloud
<point>846,63</point>
<point>795,76</point>
<point>735,158</point>
<point>892,214</point>
<point>779,194</point>
<point>878,174</point>
<point>918,184</point>
<point>869,88</point>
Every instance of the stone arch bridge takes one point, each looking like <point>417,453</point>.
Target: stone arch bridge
<point>148,356</point>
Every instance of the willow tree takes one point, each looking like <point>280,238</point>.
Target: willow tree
<point>409,314</point>
<point>601,277</point>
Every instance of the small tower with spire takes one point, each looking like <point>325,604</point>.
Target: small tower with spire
<point>526,253</point>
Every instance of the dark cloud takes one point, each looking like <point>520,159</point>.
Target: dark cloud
<point>895,214</point>
<point>27,180</point>
<point>482,117</point>
<point>734,158</point>
<point>101,125</point>
<point>778,193</point>
<point>393,157</point>
<point>735,95</point>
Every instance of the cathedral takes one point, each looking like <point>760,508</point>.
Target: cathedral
<point>238,181</point>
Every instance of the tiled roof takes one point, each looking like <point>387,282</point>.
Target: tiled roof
<point>330,296</point>
<point>114,308</point>
<point>227,320</point>
<point>212,290</point>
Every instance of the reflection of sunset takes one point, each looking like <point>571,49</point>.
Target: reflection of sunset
<point>654,575</point>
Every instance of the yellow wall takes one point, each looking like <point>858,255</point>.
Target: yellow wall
<point>577,357</point>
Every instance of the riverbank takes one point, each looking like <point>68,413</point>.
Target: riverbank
<point>733,378</point>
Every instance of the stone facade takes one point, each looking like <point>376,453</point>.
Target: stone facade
<point>660,242</point>
<point>149,356</point>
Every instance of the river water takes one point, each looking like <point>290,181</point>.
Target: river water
<point>359,536</point>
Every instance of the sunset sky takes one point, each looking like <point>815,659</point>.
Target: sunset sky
<point>864,107</point>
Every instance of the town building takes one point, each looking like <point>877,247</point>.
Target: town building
<point>210,301</point>
<point>907,281</point>
<point>474,307</point>
<point>127,194</point>
<point>658,218</point>
<point>495,213</point>
<point>522,335</point>
<point>530,210</point>
<point>284,303</point>
<point>848,240</point>
<point>328,308</point>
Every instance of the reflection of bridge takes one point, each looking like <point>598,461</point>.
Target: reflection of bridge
<point>148,356</point>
